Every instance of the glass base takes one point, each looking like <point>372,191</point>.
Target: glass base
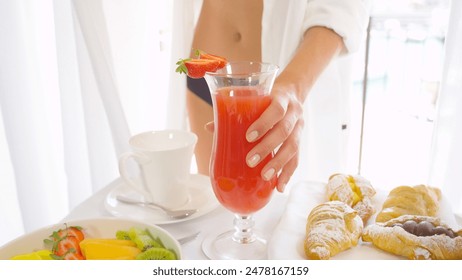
<point>243,243</point>
<point>224,247</point>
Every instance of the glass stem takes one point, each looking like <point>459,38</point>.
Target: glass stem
<point>243,226</point>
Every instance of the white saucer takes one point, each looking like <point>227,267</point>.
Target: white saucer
<point>201,197</point>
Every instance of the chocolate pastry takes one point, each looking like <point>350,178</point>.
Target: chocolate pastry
<point>416,237</point>
<point>405,200</point>
<point>332,227</point>
<point>355,191</point>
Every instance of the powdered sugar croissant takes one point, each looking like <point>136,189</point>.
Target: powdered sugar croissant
<point>332,227</point>
<point>416,237</point>
<point>355,191</point>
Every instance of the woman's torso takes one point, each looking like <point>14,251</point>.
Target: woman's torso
<point>230,28</point>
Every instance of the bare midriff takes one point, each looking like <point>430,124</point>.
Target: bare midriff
<point>230,28</point>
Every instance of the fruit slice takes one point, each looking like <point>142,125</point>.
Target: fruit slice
<point>196,68</point>
<point>44,254</point>
<point>143,239</point>
<point>72,231</point>
<point>123,235</point>
<point>38,255</point>
<point>156,254</point>
<point>64,243</point>
<point>203,55</point>
<point>111,241</point>
<point>100,250</point>
<point>204,62</point>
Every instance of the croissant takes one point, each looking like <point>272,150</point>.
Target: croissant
<point>416,237</point>
<point>405,200</point>
<point>355,191</point>
<point>332,227</point>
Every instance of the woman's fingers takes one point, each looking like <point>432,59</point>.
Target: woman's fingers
<point>287,173</point>
<point>285,160</point>
<point>272,140</point>
<point>288,157</point>
<point>281,124</point>
<point>270,117</point>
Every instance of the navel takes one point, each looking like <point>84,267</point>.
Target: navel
<point>237,36</point>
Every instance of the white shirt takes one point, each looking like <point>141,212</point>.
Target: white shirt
<point>285,22</point>
<point>324,144</point>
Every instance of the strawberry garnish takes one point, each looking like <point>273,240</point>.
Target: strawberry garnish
<point>204,55</point>
<point>196,67</point>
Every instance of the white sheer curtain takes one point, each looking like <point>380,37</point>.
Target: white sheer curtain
<point>76,79</point>
<point>446,163</point>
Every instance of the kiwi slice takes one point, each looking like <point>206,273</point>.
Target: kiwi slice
<point>156,254</point>
<point>142,239</point>
<point>122,235</point>
<point>134,232</point>
<point>144,242</point>
<point>157,239</point>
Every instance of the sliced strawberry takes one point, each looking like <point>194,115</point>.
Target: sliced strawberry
<point>204,55</point>
<point>196,68</point>
<point>67,249</point>
<point>65,243</point>
<point>72,232</point>
<point>74,256</point>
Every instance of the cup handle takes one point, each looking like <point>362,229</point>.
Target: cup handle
<point>140,159</point>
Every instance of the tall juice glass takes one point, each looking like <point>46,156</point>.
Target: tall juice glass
<point>240,94</point>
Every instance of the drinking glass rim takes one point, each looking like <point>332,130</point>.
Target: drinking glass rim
<point>271,68</point>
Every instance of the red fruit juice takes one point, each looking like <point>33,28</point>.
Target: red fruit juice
<point>238,187</point>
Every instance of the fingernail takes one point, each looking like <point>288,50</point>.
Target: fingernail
<point>209,126</point>
<point>282,188</point>
<point>254,160</point>
<point>252,136</point>
<point>268,174</point>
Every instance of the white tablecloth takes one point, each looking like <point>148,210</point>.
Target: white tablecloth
<point>282,220</point>
<point>220,218</point>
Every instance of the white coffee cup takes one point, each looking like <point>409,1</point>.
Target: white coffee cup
<point>164,159</point>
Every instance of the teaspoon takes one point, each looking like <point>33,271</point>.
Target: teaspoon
<point>175,214</point>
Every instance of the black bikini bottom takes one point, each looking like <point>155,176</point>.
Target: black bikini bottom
<point>200,88</point>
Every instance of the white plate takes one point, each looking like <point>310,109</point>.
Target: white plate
<point>93,228</point>
<point>290,231</point>
<point>201,197</point>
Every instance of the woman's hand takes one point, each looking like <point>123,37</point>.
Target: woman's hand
<point>281,124</point>
<point>279,128</point>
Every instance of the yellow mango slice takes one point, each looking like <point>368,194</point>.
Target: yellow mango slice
<point>44,254</point>
<point>112,241</point>
<point>103,250</point>
<point>30,256</point>
<point>38,255</point>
